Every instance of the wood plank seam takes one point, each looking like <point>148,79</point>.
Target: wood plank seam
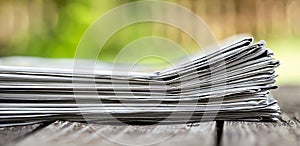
<point>219,128</point>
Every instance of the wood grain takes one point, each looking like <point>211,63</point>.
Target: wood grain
<point>11,135</point>
<point>73,133</point>
<point>284,132</point>
<point>288,98</point>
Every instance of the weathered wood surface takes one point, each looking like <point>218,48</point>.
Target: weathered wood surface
<point>11,135</point>
<point>286,132</point>
<point>73,133</point>
<point>288,98</point>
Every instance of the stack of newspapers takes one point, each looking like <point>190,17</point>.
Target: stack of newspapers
<point>230,83</point>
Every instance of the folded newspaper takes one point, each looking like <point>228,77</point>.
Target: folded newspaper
<point>230,83</point>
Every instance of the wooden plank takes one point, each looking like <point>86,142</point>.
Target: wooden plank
<point>284,132</point>
<point>74,133</point>
<point>11,135</point>
<point>288,98</point>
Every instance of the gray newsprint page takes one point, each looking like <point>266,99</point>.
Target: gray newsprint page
<point>230,83</point>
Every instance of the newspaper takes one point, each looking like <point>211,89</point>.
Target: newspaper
<point>230,83</point>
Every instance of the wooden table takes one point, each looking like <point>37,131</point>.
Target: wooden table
<point>226,133</point>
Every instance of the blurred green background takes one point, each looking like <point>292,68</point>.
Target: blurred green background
<point>53,28</point>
